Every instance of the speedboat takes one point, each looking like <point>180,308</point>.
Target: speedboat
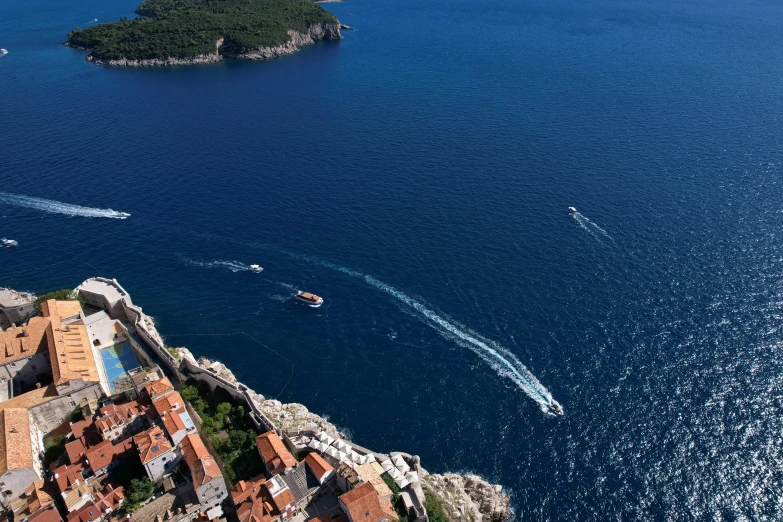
<point>255,268</point>
<point>3,52</point>
<point>554,407</point>
<point>119,214</point>
<point>311,300</point>
<point>8,242</point>
<point>572,210</point>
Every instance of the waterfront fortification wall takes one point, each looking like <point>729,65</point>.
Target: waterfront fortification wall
<point>465,497</point>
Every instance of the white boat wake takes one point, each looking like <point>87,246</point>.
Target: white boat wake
<point>234,266</point>
<point>499,359</point>
<point>591,227</point>
<point>58,207</point>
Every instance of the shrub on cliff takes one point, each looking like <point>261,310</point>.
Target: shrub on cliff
<point>65,294</point>
<point>187,28</point>
<point>434,506</point>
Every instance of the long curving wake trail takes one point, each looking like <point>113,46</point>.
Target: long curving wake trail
<point>234,266</point>
<point>500,359</point>
<point>58,207</point>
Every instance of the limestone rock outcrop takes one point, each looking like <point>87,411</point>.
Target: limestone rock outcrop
<point>294,416</point>
<point>322,31</point>
<point>469,497</point>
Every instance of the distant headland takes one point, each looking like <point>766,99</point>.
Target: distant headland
<point>180,32</point>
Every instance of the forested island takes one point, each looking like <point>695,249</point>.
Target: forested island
<point>168,32</point>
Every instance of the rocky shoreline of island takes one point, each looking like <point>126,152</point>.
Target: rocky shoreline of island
<point>315,32</point>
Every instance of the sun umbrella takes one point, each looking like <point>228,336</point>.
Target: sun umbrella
<point>322,436</point>
<point>369,458</point>
<point>401,482</point>
<point>313,444</point>
<point>411,477</point>
<point>341,456</point>
<point>332,451</point>
<point>398,461</point>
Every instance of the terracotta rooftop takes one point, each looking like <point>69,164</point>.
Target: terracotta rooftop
<point>37,496</point>
<point>363,504</point>
<point>70,352</point>
<point>317,465</point>
<point>368,473</point>
<point>170,402</point>
<point>75,450</point>
<point>46,515</point>
<point>173,422</point>
<point>68,475</point>
<point>202,465</point>
<point>117,415</point>
<point>273,451</point>
<point>151,444</point>
<point>104,453</point>
<point>16,450</point>
<point>335,515</point>
<point>159,388</point>
<point>253,502</point>
<point>109,499</point>
<point>88,513</point>
<point>24,341</point>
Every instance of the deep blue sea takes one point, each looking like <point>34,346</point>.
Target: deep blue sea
<point>417,175</point>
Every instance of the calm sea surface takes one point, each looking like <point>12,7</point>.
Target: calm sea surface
<point>416,175</point>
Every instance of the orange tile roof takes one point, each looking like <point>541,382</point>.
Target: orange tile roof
<point>24,341</point>
<point>273,451</point>
<point>70,352</point>
<point>202,465</point>
<point>368,473</point>
<point>317,465</point>
<point>46,515</point>
<point>68,475</point>
<point>151,444</point>
<point>159,388</point>
<point>37,496</point>
<point>88,513</point>
<point>335,515</point>
<point>282,499</point>
<point>363,504</point>
<point>117,415</point>
<point>109,499</point>
<point>253,502</point>
<point>16,450</point>
<point>75,450</point>
<point>104,453</point>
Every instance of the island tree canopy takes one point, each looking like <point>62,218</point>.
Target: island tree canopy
<point>186,28</point>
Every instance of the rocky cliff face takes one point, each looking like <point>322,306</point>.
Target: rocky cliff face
<point>322,31</point>
<point>469,498</point>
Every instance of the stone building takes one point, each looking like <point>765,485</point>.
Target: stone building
<point>156,452</point>
<point>171,412</point>
<point>362,504</point>
<point>20,446</point>
<point>262,500</point>
<point>276,456</point>
<point>15,307</point>
<point>208,481</point>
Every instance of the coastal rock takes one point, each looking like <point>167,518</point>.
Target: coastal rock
<point>322,31</point>
<point>294,416</point>
<point>469,497</point>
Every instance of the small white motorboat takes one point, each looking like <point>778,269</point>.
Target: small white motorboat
<point>572,210</point>
<point>555,408</point>
<point>3,52</point>
<point>8,242</point>
<point>255,268</point>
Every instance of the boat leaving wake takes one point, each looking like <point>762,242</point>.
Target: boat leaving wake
<point>234,266</point>
<point>57,207</point>
<point>499,359</point>
<point>590,227</point>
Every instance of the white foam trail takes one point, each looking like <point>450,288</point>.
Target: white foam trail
<point>588,225</point>
<point>500,359</point>
<point>57,207</point>
<point>234,266</point>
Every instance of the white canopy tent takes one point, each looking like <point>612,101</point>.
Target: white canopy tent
<point>401,482</point>
<point>369,458</point>
<point>404,468</point>
<point>332,451</point>
<point>322,436</point>
<point>411,477</point>
<point>395,473</point>
<point>398,461</point>
<point>313,444</point>
<point>387,465</point>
